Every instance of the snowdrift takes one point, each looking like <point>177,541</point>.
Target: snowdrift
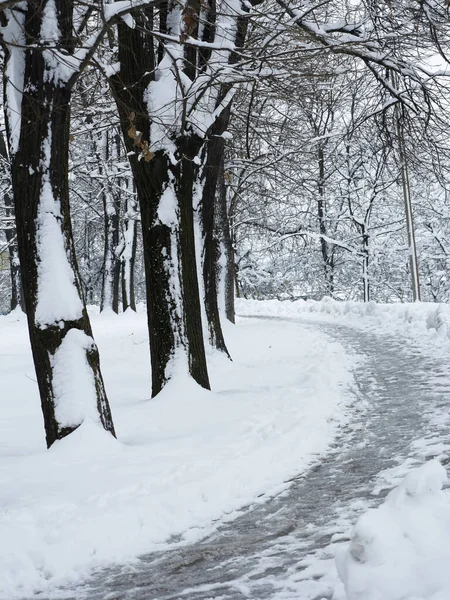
<point>401,550</point>
<point>416,317</point>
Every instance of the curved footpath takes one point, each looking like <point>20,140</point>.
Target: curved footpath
<point>283,549</point>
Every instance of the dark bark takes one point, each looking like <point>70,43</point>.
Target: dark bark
<point>88,281</point>
<point>190,18</point>
<point>162,27</point>
<point>327,255</point>
<point>365,242</point>
<point>129,261</point>
<point>223,227</point>
<point>111,263</point>
<point>208,17</point>
<point>167,247</point>
<point>211,249</point>
<point>132,293</point>
<point>136,56</point>
<point>215,222</point>
<point>42,156</point>
<point>185,176</point>
<point>111,212</point>
<point>17,299</point>
<point>11,238</point>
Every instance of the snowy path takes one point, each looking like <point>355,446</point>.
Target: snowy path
<point>283,549</point>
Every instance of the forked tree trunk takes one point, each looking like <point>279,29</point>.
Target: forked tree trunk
<point>164,192</point>
<point>65,355</point>
<point>174,84</point>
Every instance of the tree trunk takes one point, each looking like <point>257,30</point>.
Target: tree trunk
<point>128,256</point>
<point>228,270</point>
<point>213,207</point>
<point>111,211</point>
<point>213,162</point>
<point>87,268</point>
<point>186,173</point>
<point>366,285</point>
<point>326,258</point>
<point>410,230</point>
<point>11,239</point>
<point>409,215</point>
<point>17,299</point>
<point>168,92</point>
<point>65,355</point>
<point>164,192</point>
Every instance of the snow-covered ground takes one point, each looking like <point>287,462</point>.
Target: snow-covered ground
<point>190,459</point>
<point>400,550</point>
<point>424,321</point>
<point>182,461</point>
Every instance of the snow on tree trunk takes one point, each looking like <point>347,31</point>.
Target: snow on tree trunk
<point>409,215</point>
<point>231,26</point>
<point>10,232</point>
<point>327,259</point>
<point>111,263</point>
<point>169,95</point>
<point>16,282</point>
<point>17,299</point>
<point>128,255</point>
<point>211,228</point>
<point>365,259</point>
<point>38,115</point>
<point>85,260</point>
<point>227,270</point>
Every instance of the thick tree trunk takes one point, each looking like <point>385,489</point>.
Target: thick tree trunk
<point>213,162</point>
<point>214,211</point>
<point>186,173</point>
<point>65,355</point>
<point>164,188</point>
<point>168,84</point>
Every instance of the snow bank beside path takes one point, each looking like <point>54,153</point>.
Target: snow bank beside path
<point>401,550</point>
<point>416,317</point>
<point>181,461</point>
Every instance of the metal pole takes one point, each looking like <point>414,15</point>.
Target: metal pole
<point>412,248</point>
